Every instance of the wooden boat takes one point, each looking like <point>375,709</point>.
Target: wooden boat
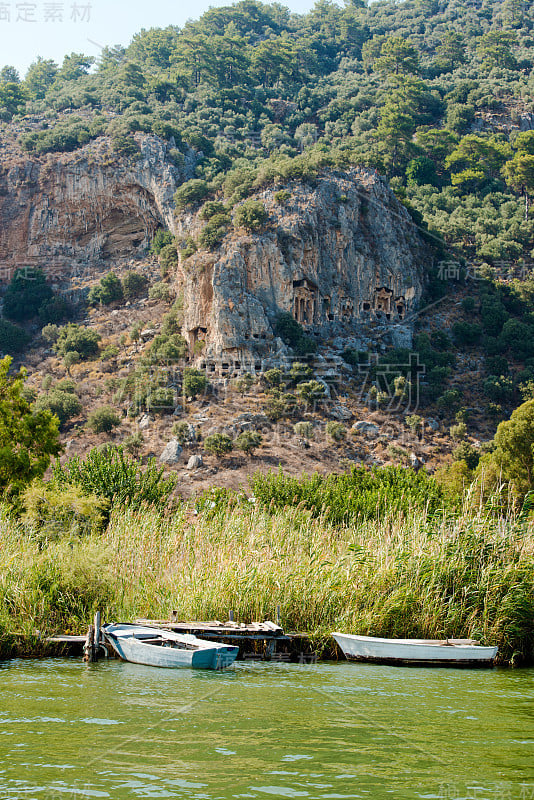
<point>155,647</point>
<point>427,652</point>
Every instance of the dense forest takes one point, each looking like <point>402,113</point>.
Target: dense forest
<point>435,94</point>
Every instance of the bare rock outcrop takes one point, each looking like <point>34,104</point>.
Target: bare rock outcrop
<point>63,209</point>
<point>344,257</point>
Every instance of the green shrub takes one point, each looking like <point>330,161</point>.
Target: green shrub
<point>70,359</point>
<point>160,291</point>
<point>466,333</point>
<point>292,333</point>
<point>109,473</point>
<point>184,433</point>
<point>133,284</point>
<point>26,293</point>
<point>12,338</point>
<point>300,372</point>
<point>52,513</point>
<point>468,304</point>
<point>109,290</point>
<point>160,240</point>
<point>218,444</point>
<point>213,231</point>
<point>54,310</point>
<point>364,493</point>
<point>273,377</point>
<point>494,315</point>
<point>311,392</point>
<point>279,405</point>
<point>63,404</point>
<point>133,443</point>
<point>499,388</point>
<point>244,383</point>
<point>415,423</point>
<point>167,349</point>
<point>518,337</point>
<point>458,431</point>
<point>125,146</point>
<point>248,441</point>
<point>449,400</point>
<point>251,215</point>
<point>195,382</point>
<point>161,400</point>
<point>466,452</point>
<point>50,333</point>
<point>109,352</point>
<point>168,259</point>
<point>211,208</point>
<point>496,365</point>
<point>281,197</point>
<point>189,193</point>
<point>103,420</point>
<point>304,429</point>
<point>75,338</point>
<point>336,430</point>
<point>187,247</point>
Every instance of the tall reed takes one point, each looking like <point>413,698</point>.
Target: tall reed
<point>416,574</point>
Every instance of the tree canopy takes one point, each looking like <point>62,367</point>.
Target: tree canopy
<point>28,436</point>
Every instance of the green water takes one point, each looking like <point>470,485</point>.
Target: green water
<point>261,730</point>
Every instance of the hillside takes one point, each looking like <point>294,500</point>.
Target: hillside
<point>239,176</point>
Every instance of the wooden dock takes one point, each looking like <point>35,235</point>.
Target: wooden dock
<point>256,640</point>
<point>253,639</point>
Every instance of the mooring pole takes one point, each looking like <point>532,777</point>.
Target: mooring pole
<point>97,635</point>
<point>278,615</point>
<point>89,646</point>
<point>231,615</point>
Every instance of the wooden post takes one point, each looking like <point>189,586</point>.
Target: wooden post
<point>231,617</point>
<point>88,647</point>
<point>278,616</point>
<point>96,637</point>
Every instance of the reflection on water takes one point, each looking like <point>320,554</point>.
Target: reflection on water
<point>259,730</point>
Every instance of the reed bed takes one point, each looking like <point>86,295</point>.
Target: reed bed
<point>421,573</point>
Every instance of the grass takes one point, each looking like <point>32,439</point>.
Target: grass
<point>418,573</point>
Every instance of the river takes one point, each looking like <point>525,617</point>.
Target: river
<point>264,730</point>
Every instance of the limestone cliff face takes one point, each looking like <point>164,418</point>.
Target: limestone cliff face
<point>59,209</point>
<point>344,258</point>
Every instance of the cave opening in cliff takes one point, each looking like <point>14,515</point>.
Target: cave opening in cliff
<point>124,232</point>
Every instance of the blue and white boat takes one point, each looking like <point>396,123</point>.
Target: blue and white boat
<point>156,647</point>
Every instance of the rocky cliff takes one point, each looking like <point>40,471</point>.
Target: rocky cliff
<point>343,257</point>
<point>60,210</point>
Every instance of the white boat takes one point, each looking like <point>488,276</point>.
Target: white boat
<point>449,652</point>
<point>155,647</point>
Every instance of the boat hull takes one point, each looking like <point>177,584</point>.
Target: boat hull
<point>190,652</point>
<point>414,651</point>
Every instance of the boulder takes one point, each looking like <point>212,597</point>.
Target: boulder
<point>432,423</point>
<point>195,462</point>
<point>368,428</point>
<point>415,462</point>
<point>342,413</point>
<point>171,453</point>
<point>144,422</point>
<point>249,422</point>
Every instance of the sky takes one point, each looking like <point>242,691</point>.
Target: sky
<point>54,29</point>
